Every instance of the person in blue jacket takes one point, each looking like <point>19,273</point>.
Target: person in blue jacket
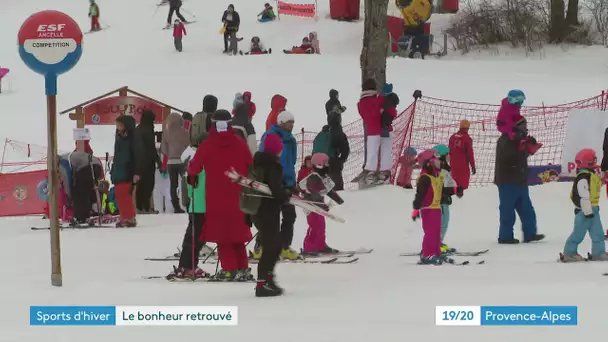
<point>283,128</point>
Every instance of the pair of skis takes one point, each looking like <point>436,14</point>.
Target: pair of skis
<point>452,261</point>
<point>295,199</point>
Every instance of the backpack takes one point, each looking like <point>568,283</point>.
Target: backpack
<point>322,144</point>
<point>199,128</point>
<point>249,199</point>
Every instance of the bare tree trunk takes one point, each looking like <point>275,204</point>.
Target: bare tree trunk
<point>556,32</point>
<point>375,42</point>
<point>572,14</point>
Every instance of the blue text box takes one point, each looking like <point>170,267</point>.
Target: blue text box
<point>529,315</point>
<point>72,315</point>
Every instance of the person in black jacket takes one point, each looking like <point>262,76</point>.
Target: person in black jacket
<point>333,104</point>
<point>511,177</point>
<point>232,21</point>
<point>174,6</point>
<point>339,149</point>
<point>146,162</point>
<point>268,217</point>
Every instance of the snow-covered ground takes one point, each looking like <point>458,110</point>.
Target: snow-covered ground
<point>382,297</point>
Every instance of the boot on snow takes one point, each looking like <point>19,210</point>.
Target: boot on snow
<point>570,258</point>
<point>267,288</point>
<point>180,273</point>
<point>508,241</point>
<point>445,249</point>
<point>224,275</point>
<point>257,253</point>
<point>244,275</point>
<point>431,260</point>
<point>601,257</point>
<point>126,223</point>
<point>290,254</point>
<point>536,237</point>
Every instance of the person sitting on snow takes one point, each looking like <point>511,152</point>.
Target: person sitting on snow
<point>267,14</point>
<point>314,41</point>
<point>305,48</point>
<point>256,47</point>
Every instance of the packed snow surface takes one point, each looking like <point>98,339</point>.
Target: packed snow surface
<point>383,297</point>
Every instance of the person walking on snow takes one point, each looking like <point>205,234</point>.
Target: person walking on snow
<point>277,105</point>
<point>231,21</point>
<point>511,177</point>
<point>179,31</point>
<point>124,174</point>
<point>94,15</point>
<point>315,186</point>
<point>585,196</point>
<point>267,219</point>
<point>174,142</point>
<point>406,166</point>
<point>510,110</point>
<point>174,7</point>
<point>450,188</point>
<point>462,156</point>
<point>225,223</point>
<point>283,129</point>
<point>427,204</point>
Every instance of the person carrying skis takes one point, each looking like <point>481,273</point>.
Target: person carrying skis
<point>94,15</point>
<point>462,156</point>
<point>427,205</point>
<point>225,223</point>
<point>315,186</point>
<point>284,128</point>
<point>511,177</point>
<point>450,188</point>
<point>124,174</point>
<point>174,7</point>
<point>510,110</point>
<point>191,244</point>
<point>231,21</point>
<point>267,219</point>
<point>179,31</point>
<point>406,165</point>
<point>585,196</point>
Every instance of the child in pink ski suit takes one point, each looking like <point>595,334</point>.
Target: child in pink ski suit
<point>315,186</point>
<point>406,163</point>
<point>427,203</point>
<point>509,112</point>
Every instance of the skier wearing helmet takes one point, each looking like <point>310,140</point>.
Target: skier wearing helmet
<point>585,196</point>
<point>450,188</point>
<point>511,177</point>
<point>427,204</point>
<point>315,186</point>
<point>510,108</point>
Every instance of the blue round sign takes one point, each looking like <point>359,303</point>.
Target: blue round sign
<point>50,43</point>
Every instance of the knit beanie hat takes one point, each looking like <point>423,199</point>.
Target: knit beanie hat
<point>284,117</point>
<point>273,144</point>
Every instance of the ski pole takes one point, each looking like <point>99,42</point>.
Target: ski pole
<point>189,13</point>
<point>154,15</point>
<point>192,217</point>
<point>96,188</point>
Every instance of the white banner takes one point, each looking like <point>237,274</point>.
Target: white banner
<point>585,129</point>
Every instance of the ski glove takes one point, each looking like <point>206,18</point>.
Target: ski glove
<point>193,181</point>
<point>473,170</point>
<point>415,215</point>
<point>459,191</point>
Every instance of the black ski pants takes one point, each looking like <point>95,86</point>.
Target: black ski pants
<point>269,234</point>
<point>174,9</point>
<point>336,167</point>
<point>189,256</point>
<point>143,192</point>
<point>83,194</point>
<point>176,172</point>
<point>287,224</point>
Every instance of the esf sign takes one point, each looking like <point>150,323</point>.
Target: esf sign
<point>50,31</point>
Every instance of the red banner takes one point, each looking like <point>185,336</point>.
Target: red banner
<point>18,195</point>
<point>105,111</point>
<point>300,10</point>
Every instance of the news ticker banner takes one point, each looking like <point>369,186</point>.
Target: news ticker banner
<point>133,315</point>
<point>506,315</point>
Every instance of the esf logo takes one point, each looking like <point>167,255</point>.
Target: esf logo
<point>51,27</point>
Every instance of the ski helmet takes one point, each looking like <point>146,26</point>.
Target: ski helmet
<point>320,160</point>
<point>442,150</point>
<point>425,157</point>
<point>586,158</point>
<point>516,97</point>
<point>412,151</point>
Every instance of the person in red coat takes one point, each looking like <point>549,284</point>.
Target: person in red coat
<point>462,156</point>
<point>225,223</point>
<point>249,103</point>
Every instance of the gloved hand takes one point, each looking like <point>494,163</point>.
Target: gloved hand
<point>473,170</point>
<point>248,221</point>
<point>415,215</point>
<point>459,191</point>
<point>193,181</point>
<point>589,216</point>
<point>164,174</point>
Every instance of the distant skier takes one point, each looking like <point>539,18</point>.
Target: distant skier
<point>94,15</point>
<point>179,31</point>
<point>232,21</point>
<point>174,6</point>
<point>585,195</point>
<point>462,156</point>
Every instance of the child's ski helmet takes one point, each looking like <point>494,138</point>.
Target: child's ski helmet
<point>412,151</point>
<point>586,158</point>
<point>516,97</point>
<point>320,160</point>
<point>442,150</point>
<point>425,157</point>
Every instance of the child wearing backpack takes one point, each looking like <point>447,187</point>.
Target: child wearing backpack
<point>267,215</point>
<point>191,245</point>
<point>315,186</point>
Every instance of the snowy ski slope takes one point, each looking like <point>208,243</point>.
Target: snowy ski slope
<point>383,297</point>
